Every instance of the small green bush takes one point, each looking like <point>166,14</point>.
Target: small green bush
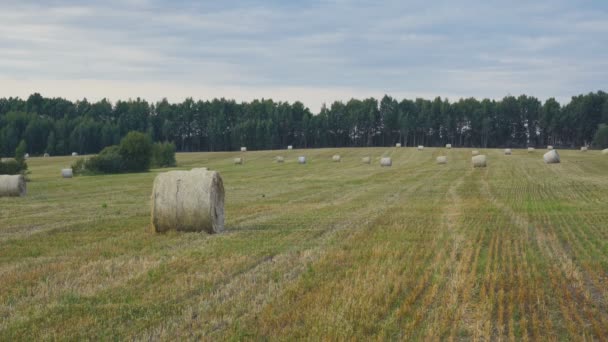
<point>12,167</point>
<point>109,160</point>
<point>163,154</point>
<point>136,152</point>
<point>601,137</point>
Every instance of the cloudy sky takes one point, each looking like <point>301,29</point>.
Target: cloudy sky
<point>312,51</point>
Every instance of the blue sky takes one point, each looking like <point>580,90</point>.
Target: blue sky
<point>312,51</point>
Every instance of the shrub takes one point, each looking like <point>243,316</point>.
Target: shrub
<point>601,136</point>
<point>20,151</point>
<point>136,152</point>
<point>163,154</point>
<point>109,160</point>
<point>12,167</point>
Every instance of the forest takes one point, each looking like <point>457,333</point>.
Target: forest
<point>59,127</point>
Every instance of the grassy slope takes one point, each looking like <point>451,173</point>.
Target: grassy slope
<point>339,250</point>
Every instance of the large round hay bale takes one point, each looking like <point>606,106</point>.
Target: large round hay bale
<point>66,173</point>
<point>508,152</point>
<point>584,149</point>
<point>280,159</point>
<point>474,153</point>
<point>448,146</point>
<point>442,160</point>
<point>479,160</point>
<point>549,147</point>
<point>530,149</point>
<point>302,160</point>
<point>12,186</point>
<point>239,161</point>
<point>366,160</point>
<point>386,161</point>
<point>398,145</point>
<point>290,147</point>
<point>551,157</point>
<point>243,149</point>
<point>420,147</point>
<point>190,201</point>
<point>605,151</point>
<point>336,158</point>
<point>74,154</point>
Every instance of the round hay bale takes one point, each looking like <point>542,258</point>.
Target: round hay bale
<point>336,158</point>
<point>190,201</point>
<point>448,146</point>
<point>474,153</point>
<point>243,149</point>
<point>420,147</point>
<point>442,160</point>
<point>584,149</point>
<point>290,147</point>
<point>280,159</point>
<point>12,186</point>
<point>508,152</point>
<point>551,157</point>
<point>530,149</point>
<point>74,154</point>
<point>239,161</point>
<point>302,160</point>
<point>479,160</point>
<point>549,147</point>
<point>386,161</point>
<point>605,151</point>
<point>67,173</point>
<point>398,145</point>
<point>46,155</point>
<point>27,155</point>
<point>366,160</point>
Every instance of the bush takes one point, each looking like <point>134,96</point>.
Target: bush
<point>601,137</point>
<point>79,167</point>
<point>109,160</point>
<point>12,167</point>
<point>163,154</point>
<point>20,151</point>
<point>136,152</point>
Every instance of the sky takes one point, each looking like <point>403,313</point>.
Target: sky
<point>315,52</point>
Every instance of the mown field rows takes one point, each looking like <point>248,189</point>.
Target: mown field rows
<point>518,250</point>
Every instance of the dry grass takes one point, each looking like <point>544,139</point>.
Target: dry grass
<point>517,250</point>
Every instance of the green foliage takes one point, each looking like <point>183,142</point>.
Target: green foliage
<point>163,154</point>
<point>12,167</point>
<point>601,137</point>
<point>79,167</point>
<point>109,160</point>
<point>20,151</point>
<point>136,152</point>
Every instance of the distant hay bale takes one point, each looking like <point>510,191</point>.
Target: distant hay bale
<point>27,155</point>
<point>290,147</point>
<point>479,160</point>
<point>584,149</point>
<point>336,158</point>
<point>302,160</point>
<point>508,152</point>
<point>239,161</point>
<point>549,147</point>
<point>280,159</point>
<point>530,149</point>
<point>442,160</point>
<point>420,147</point>
<point>448,146</point>
<point>12,186</point>
<point>74,154</point>
<point>243,149</point>
<point>46,155</point>
<point>66,173</point>
<point>605,151</point>
<point>366,160</point>
<point>386,161</point>
<point>551,157</point>
<point>474,153</point>
<point>191,201</point>
<point>398,145</point>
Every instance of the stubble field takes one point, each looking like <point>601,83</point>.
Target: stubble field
<point>518,250</point>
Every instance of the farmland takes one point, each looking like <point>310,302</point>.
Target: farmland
<point>517,250</point>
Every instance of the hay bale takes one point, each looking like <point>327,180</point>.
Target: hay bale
<point>191,201</point>
<point>290,147</point>
<point>243,149</point>
<point>549,147</point>
<point>584,149</point>
<point>280,159</point>
<point>530,149</point>
<point>27,155</point>
<point>474,153</point>
<point>302,160</point>
<point>74,154</point>
<point>239,161</point>
<point>12,186</point>
<point>507,152</point>
<point>46,155</point>
<point>605,151</point>
<point>448,146</point>
<point>398,145</point>
<point>479,160</point>
<point>66,173</point>
<point>442,160</point>
<point>386,161</point>
<point>420,147</point>
<point>551,157</point>
<point>336,158</point>
<point>366,160</point>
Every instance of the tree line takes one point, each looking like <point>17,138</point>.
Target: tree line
<point>59,127</point>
